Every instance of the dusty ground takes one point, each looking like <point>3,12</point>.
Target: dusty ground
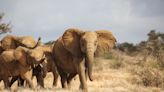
<point>105,80</point>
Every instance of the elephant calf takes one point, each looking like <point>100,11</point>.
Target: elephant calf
<point>18,62</point>
<point>10,66</point>
<point>41,70</point>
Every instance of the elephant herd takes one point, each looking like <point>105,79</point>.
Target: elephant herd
<point>21,57</point>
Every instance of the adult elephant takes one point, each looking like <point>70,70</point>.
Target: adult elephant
<point>41,70</point>
<point>18,62</point>
<point>12,42</point>
<point>74,53</point>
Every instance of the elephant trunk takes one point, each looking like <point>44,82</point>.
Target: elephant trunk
<point>44,69</point>
<point>89,61</point>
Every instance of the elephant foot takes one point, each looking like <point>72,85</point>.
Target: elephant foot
<point>41,85</point>
<point>64,82</point>
<point>6,84</point>
<point>84,90</point>
<point>68,86</point>
<point>55,83</point>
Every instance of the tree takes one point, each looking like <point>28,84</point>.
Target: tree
<point>127,47</point>
<point>4,27</point>
<point>152,35</point>
<point>161,36</point>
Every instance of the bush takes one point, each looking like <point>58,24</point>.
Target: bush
<point>150,77</point>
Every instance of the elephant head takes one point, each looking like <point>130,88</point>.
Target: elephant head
<point>12,42</point>
<point>47,51</point>
<point>29,55</point>
<point>88,44</point>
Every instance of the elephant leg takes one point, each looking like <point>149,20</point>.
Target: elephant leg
<point>13,80</point>
<point>27,76</point>
<point>6,83</point>
<point>29,81</point>
<point>81,72</point>
<point>38,72</point>
<point>63,78</point>
<point>69,79</point>
<point>55,74</point>
<point>20,81</point>
<point>40,80</point>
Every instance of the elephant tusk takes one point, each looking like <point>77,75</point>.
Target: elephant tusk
<point>41,65</point>
<point>45,59</point>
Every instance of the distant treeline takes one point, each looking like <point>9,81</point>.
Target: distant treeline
<point>154,42</point>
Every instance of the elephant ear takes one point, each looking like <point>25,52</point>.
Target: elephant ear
<point>8,42</point>
<point>106,42</point>
<point>71,41</point>
<point>20,55</point>
<point>37,54</point>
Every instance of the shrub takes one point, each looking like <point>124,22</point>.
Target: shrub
<point>150,77</point>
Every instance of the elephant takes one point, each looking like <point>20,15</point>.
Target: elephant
<point>41,70</point>
<point>75,50</point>
<point>18,62</point>
<point>48,66</point>
<point>12,42</point>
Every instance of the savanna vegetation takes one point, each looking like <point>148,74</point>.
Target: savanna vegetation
<point>143,61</point>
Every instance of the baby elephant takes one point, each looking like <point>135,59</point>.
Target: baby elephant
<point>40,71</point>
<point>18,62</point>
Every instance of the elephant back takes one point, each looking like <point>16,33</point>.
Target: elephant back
<point>8,42</point>
<point>20,55</point>
<point>27,41</point>
<point>7,56</point>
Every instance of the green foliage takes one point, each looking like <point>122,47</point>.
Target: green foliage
<point>4,27</point>
<point>127,47</point>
